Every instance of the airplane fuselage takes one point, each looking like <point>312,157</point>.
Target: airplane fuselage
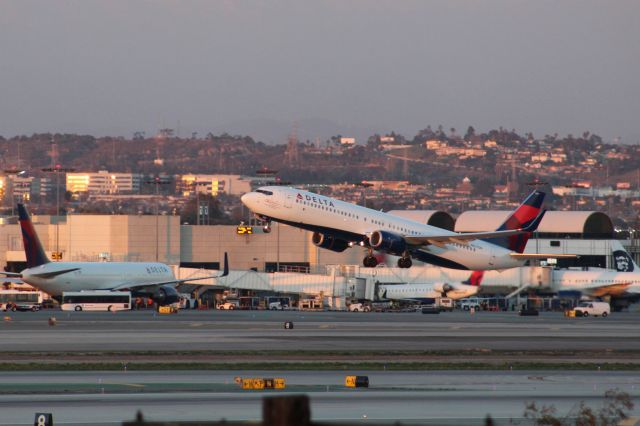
<point>422,292</point>
<point>597,282</point>
<point>57,277</point>
<point>354,224</point>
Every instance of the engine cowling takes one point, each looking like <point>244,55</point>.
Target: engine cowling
<point>388,242</point>
<point>165,295</point>
<point>329,242</point>
<point>442,287</point>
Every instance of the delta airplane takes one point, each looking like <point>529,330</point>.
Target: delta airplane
<point>337,225</point>
<point>149,279</point>
<point>623,282</point>
<point>425,292</point>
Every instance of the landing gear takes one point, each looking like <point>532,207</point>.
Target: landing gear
<point>370,260</point>
<point>266,226</point>
<point>405,261</point>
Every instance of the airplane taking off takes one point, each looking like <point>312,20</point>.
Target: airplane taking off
<point>425,292</point>
<point>337,225</point>
<point>149,279</point>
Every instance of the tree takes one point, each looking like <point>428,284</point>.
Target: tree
<point>471,132</point>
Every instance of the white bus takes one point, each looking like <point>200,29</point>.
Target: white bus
<point>14,297</point>
<point>96,300</point>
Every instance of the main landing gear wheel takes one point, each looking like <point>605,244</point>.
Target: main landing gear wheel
<point>370,261</point>
<point>405,262</point>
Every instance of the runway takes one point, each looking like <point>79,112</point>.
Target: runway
<point>319,331</point>
<point>451,397</point>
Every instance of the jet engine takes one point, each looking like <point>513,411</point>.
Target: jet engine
<point>388,242</point>
<point>442,288</point>
<point>165,295</point>
<point>329,242</point>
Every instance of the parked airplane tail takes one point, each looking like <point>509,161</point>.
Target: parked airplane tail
<point>623,262</point>
<point>474,279</point>
<point>32,246</point>
<point>524,216</point>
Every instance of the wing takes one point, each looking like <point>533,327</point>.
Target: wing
<point>10,274</point>
<point>128,286</point>
<point>465,238</point>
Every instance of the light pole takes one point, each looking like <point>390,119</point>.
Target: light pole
<point>15,173</point>
<point>57,170</point>
<point>157,181</point>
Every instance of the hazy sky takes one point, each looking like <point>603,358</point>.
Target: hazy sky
<point>255,67</point>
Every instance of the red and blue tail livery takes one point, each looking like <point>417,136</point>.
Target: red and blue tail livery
<point>475,279</point>
<point>526,216</point>
<point>32,247</point>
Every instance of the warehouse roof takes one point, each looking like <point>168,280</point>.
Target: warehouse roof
<point>588,223</point>
<point>430,217</point>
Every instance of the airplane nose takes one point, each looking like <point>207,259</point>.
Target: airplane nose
<point>247,199</point>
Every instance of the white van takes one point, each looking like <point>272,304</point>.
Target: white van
<point>586,308</point>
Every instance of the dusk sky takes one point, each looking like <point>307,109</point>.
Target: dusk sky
<point>352,67</point>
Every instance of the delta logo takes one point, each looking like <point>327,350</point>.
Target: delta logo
<point>315,200</point>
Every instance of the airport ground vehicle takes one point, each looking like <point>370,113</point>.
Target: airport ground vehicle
<point>229,305</point>
<point>96,300</point>
<point>359,307</point>
<point>24,306</point>
<point>277,303</point>
<point>276,306</point>
<point>586,308</point>
<point>467,304</point>
<point>26,300</point>
<point>445,304</point>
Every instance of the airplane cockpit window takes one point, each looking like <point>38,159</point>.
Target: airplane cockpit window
<point>265,192</point>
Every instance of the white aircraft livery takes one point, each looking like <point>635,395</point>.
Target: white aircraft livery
<point>424,292</point>
<point>337,225</point>
<point>151,279</point>
<point>624,281</point>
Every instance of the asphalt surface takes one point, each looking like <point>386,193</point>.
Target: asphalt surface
<point>446,397</point>
<point>418,397</point>
<point>264,330</point>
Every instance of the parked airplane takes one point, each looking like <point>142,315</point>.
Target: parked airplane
<point>149,279</point>
<point>337,225</point>
<point>425,292</point>
<point>621,283</point>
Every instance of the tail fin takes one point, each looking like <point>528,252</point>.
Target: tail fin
<point>32,246</point>
<point>525,216</point>
<point>475,279</point>
<point>621,259</point>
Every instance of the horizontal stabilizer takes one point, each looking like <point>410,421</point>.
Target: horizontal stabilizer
<point>54,273</point>
<point>543,256</point>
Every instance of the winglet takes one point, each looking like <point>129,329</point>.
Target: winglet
<point>225,268</point>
